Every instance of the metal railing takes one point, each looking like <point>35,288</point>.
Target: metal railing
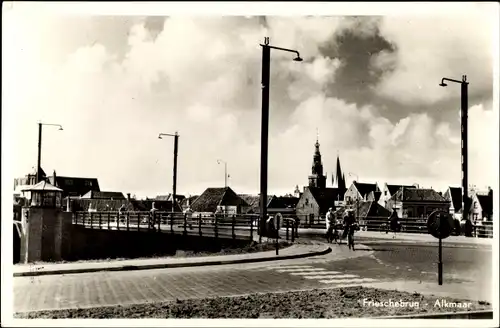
<point>233,226</point>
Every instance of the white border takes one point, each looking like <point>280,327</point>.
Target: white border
<point>236,8</point>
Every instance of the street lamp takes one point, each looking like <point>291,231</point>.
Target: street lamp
<point>176,142</point>
<point>266,59</point>
<point>464,120</point>
<point>38,170</point>
<point>225,171</point>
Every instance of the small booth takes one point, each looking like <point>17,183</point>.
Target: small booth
<point>43,194</point>
<point>45,225</point>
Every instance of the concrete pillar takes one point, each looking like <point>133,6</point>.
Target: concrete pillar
<point>46,235</point>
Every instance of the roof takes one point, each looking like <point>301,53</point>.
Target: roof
<point>326,197</point>
<point>74,186</point>
<point>486,202</point>
<point>42,185</point>
<point>190,199</point>
<point>214,197</point>
<point>365,188</point>
<point>377,195</point>
<point>104,195</point>
<point>253,201</point>
<point>104,205</point>
<point>393,188</point>
<point>456,197</point>
<point>283,202</point>
<point>416,195</point>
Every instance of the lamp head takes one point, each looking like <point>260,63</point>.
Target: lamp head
<point>442,84</point>
<point>159,137</point>
<point>297,59</point>
<point>60,128</point>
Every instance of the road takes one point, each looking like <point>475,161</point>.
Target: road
<point>386,263</point>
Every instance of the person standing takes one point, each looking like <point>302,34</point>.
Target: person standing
<point>329,220</point>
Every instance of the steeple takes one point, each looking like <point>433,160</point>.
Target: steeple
<point>340,176</point>
<point>317,179</point>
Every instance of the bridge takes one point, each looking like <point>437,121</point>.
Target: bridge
<point>233,226</point>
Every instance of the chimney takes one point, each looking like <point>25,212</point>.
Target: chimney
<point>128,197</point>
<point>54,178</point>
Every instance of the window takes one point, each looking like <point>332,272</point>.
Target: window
<point>68,182</point>
<point>88,183</point>
<point>385,192</point>
<point>307,201</point>
<point>475,205</point>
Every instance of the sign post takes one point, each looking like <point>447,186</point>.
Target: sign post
<point>440,225</point>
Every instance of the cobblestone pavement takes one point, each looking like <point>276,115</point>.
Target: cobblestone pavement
<point>385,264</point>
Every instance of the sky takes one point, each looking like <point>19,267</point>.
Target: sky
<point>368,86</point>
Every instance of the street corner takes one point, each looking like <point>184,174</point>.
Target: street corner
<point>342,252</point>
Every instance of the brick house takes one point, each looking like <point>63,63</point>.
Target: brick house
<point>362,192</point>
<point>315,201</point>
<point>416,204</point>
<point>390,190</point>
<point>481,206</point>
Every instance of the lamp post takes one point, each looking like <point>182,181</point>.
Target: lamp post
<point>464,122</point>
<point>174,188</point>
<point>39,163</point>
<point>266,59</point>
<point>225,171</point>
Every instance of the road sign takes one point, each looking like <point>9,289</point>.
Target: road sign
<point>440,224</point>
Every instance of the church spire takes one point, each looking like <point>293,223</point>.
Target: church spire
<point>317,179</point>
<point>340,177</point>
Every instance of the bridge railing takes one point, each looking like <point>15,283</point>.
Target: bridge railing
<point>233,226</point>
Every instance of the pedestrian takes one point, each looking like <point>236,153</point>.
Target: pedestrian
<point>329,220</point>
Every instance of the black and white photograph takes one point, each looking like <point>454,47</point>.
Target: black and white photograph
<point>289,164</point>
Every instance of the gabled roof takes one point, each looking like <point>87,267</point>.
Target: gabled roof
<point>104,205</point>
<point>377,195</point>
<point>103,195</point>
<point>415,195</point>
<point>42,185</point>
<point>77,186</point>
<point>326,197</point>
<point>365,188</point>
<point>486,202</point>
<point>393,188</point>
<point>213,197</point>
<point>190,199</point>
<point>456,197</point>
<point>253,201</point>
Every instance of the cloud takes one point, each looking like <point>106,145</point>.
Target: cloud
<point>201,77</point>
<point>427,48</point>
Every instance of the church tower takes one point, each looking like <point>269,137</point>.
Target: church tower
<point>340,177</point>
<point>317,179</point>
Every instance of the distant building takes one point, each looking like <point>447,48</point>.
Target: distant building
<point>417,204</point>
<point>253,202</point>
<point>454,196</point>
<point>388,191</point>
<point>112,195</point>
<point>316,201</point>
<point>187,201</point>
<point>74,186</point>
<point>369,213</point>
<point>220,200</point>
<point>481,207</point>
<point>362,192</point>
<point>28,180</point>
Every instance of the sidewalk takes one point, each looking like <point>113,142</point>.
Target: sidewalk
<point>292,252</point>
<point>406,237</point>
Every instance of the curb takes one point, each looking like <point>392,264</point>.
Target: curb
<point>478,314</point>
<point>171,265</point>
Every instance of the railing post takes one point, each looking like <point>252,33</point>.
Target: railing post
<point>171,223</point>
<point>185,224</point>
<point>138,222</point>
<point>118,221</point>
<point>91,220</point>
<point>215,227</point>
<point>159,220</point>
<point>287,226</point>
<point>251,228</point>
<point>109,220</point>
<point>234,223</point>
<point>100,220</point>
<point>199,224</point>
<point>127,218</point>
